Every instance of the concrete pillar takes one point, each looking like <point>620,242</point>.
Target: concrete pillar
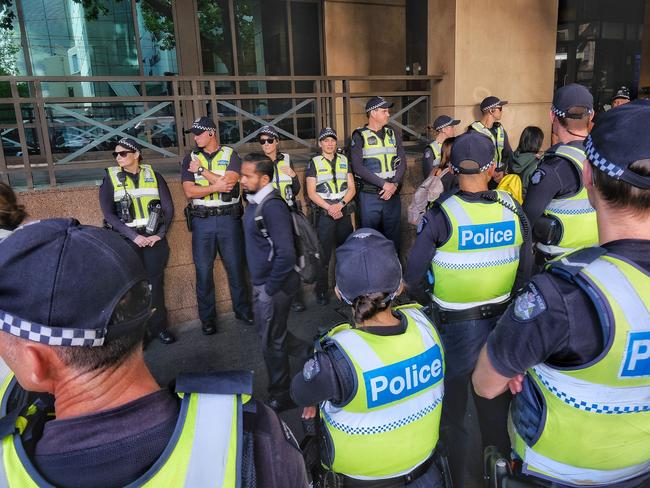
<point>506,49</point>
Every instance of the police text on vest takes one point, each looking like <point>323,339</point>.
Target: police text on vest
<point>396,381</point>
<point>481,236</point>
<point>637,355</point>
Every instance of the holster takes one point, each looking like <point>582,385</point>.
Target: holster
<point>187,211</point>
<point>547,230</point>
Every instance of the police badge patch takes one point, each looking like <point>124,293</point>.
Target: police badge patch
<point>538,176</point>
<point>310,370</point>
<point>428,153</point>
<point>421,225</point>
<point>372,140</point>
<point>528,304</point>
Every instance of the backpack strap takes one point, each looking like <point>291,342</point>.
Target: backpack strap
<point>259,219</point>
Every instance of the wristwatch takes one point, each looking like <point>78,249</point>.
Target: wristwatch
<point>200,170</point>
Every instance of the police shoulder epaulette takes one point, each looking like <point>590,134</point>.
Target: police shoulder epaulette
<point>568,265</point>
<point>220,383</point>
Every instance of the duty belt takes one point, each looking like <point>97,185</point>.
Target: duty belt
<point>203,212</point>
<point>349,482</point>
<point>486,311</point>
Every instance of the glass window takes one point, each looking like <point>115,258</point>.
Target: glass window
<point>613,30</point>
<point>566,32</point>
<point>157,40</point>
<point>306,42</point>
<point>262,44</point>
<point>216,38</point>
<point>63,35</point>
<point>12,60</point>
<point>589,30</point>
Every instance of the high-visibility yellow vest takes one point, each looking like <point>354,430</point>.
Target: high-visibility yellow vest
<point>217,165</point>
<point>595,425</point>
<point>576,215</point>
<point>436,148</point>
<point>331,182</point>
<point>478,263</point>
<point>281,180</point>
<point>390,425</point>
<point>379,154</point>
<point>204,452</point>
<point>145,193</point>
<point>498,141</point>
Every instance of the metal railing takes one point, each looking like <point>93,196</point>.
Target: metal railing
<point>54,126</point>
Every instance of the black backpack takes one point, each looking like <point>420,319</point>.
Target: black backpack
<point>309,260</point>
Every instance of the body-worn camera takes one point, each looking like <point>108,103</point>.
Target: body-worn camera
<point>155,217</point>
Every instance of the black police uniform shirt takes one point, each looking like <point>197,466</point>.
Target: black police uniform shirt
<point>506,155</point>
<point>114,447</point>
<point>295,181</point>
<point>272,274</point>
<point>329,376</point>
<point>554,177</point>
<point>554,321</point>
<point>356,157</point>
<point>311,167</point>
<point>233,165</point>
<point>107,204</point>
<point>433,232</point>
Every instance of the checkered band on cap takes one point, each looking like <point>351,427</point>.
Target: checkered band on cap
<point>612,170</point>
<point>201,127</point>
<point>269,131</point>
<point>480,168</point>
<point>495,104</point>
<point>376,105</point>
<point>52,336</point>
<point>563,114</point>
<point>446,124</point>
<point>124,142</point>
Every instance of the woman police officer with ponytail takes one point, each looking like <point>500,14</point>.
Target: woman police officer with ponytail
<point>136,203</point>
<point>378,381</point>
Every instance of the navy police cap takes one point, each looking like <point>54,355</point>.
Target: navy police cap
<point>326,132</point>
<point>377,102</point>
<point>61,281</point>
<point>472,146</point>
<point>492,102</point>
<point>444,121</point>
<point>269,131</point>
<point>200,125</point>
<point>622,93</point>
<point>130,143</point>
<point>367,263</point>
<point>619,139</point>
<point>572,96</point>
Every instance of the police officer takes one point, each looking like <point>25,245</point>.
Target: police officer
<point>445,128</point>
<point>285,180</point>
<point>379,380</point>
<point>136,203</point>
<point>83,409</point>
<point>579,331</point>
<point>379,164</point>
<point>472,242</point>
<point>490,126</point>
<point>210,176</point>
<point>622,97</point>
<point>271,257</point>
<point>331,189</point>
<point>556,200</point>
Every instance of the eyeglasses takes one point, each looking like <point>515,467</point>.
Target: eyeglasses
<point>270,140</point>
<point>121,154</point>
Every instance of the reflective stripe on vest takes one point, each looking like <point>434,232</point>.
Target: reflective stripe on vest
<point>498,142</point>
<point>281,180</point>
<point>609,398</point>
<point>205,448</point>
<point>436,148</point>
<point>146,192</point>
<point>478,263</point>
<point>379,155</point>
<point>218,165</point>
<point>390,426</point>
<point>576,215</point>
<point>331,184</point>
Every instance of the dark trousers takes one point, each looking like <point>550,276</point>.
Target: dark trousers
<point>154,260</point>
<point>382,215</point>
<point>331,234</point>
<point>222,234</point>
<point>463,341</point>
<point>271,314</point>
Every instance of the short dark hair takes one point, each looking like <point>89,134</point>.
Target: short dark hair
<point>263,164</point>
<point>579,119</point>
<point>115,350</point>
<point>11,213</point>
<point>622,195</point>
<point>531,140</point>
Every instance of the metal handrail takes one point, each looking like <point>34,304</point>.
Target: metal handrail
<point>188,97</point>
